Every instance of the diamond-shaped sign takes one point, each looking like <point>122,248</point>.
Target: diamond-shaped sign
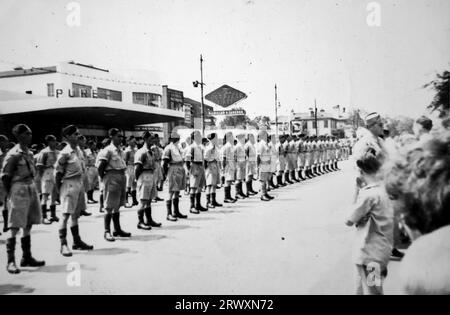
<point>225,96</point>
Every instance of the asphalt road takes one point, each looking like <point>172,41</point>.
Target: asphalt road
<point>296,244</point>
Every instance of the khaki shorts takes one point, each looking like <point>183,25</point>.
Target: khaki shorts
<point>197,178</point>
<point>2,193</point>
<point>92,178</point>
<point>281,164</point>
<point>73,200</point>
<point>241,170</point>
<point>177,177</point>
<point>23,204</point>
<point>212,174</point>
<point>131,179</point>
<point>114,190</point>
<point>48,182</point>
<point>265,176</point>
<point>146,186</point>
<point>230,171</point>
<point>252,169</point>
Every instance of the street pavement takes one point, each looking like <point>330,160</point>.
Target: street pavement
<point>296,244</point>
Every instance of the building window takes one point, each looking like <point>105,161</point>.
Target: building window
<point>148,99</point>
<point>51,89</point>
<point>109,94</point>
<point>80,90</point>
<point>314,124</point>
<point>325,123</point>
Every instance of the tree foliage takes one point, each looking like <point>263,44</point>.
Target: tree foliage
<point>441,101</point>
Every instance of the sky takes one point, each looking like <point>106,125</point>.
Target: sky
<point>313,50</point>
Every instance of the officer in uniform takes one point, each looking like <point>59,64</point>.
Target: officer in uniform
<point>195,165</point>
<point>175,173</point>
<point>129,153</point>
<point>145,166</point>
<point>18,172</point>
<point>188,142</point>
<point>229,166</point>
<point>91,170</point>
<point>157,154</point>
<point>45,163</point>
<point>106,142</point>
<point>82,144</point>
<point>70,169</point>
<point>281,160</point>
<point>241,165</point>
<point>212,161</point>
<point>111,170</point>
<point>265,171</point>
<point>252,168</point>
<point>4,148</point>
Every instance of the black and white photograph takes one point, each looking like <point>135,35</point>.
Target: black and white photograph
<point>224,153</point>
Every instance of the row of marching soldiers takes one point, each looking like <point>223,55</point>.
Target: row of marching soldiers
<point>28,183</point>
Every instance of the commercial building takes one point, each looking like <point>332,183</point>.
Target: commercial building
<point>95,99</point>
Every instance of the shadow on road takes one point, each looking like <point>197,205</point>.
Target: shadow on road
<point>177,227</point>
<point>57,269</point>
<point>14,288</point>
<point>146,238</point>
<point>202,218</point>
<point>109,252</point>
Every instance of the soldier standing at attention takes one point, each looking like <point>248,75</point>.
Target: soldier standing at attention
<point>241,165</point>
<point>301,156</point>
<point>252,168</point>
<point>195,165</point>
<point>145,166</point>
<point>281,161</point>
<point>263,156</point>
<point>174,171</point>
<point>112,173</point>
<point>91,170</point>
<point>212,160</point>
<point>18,172</point>
<point>45,163</point>
<point>82,144</point>
<point>157,154</point>
<point>129,153</point>
<point>70,186</point>
<point>274,157</point>
<point>229,166</point>
<point>4,148</point>
<point>106,142</point>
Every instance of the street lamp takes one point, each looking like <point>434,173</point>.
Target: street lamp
<point>201,84</point>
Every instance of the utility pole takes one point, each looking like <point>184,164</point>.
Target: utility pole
<point>315,118</point>
<point>276,112</point>
<point>203,103</point>
<point>201,83</point>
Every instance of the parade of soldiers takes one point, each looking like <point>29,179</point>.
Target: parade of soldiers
<point>37,180</point>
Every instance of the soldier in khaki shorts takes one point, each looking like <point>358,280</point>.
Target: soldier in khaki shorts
<point>175,173</point>
<point>212,172</point>
<point>130,152</point>
<point>45,163</point>
<point>4,147</point>
<point>228,166</point>
<point>252,171</point>
<point>195,165</point>
<point>111,170</point>
<point>241,165</point>
<point>265,169</point>
<point>17,175</point>
<point>70,186</point>
<point>145,166</point>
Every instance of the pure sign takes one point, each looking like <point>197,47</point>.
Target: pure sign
<point>225,96</point>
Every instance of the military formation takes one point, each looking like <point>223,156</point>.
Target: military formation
<point>35,180</point>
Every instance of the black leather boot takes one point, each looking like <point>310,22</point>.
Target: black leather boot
<point>228,198</point>
<point>193,210</point>
<point>133,196</point>
<point>141,223</point>
<point>65,251</point>
<point>78,244</point>
<point>53,216</point>
<point>5,220</point>
<point>176,209</point>
<point>108,236</point>
<point>45,220</point>
<point>250,190</point>
<point>118,232</point>
<point>287,179</point>
<point>198,206</point>
<point>11,266</point>
<point>170,217</point>
<point>150,221</point>
<point>101,210</point>
<point>214,201</point>
<point>27,258</point>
